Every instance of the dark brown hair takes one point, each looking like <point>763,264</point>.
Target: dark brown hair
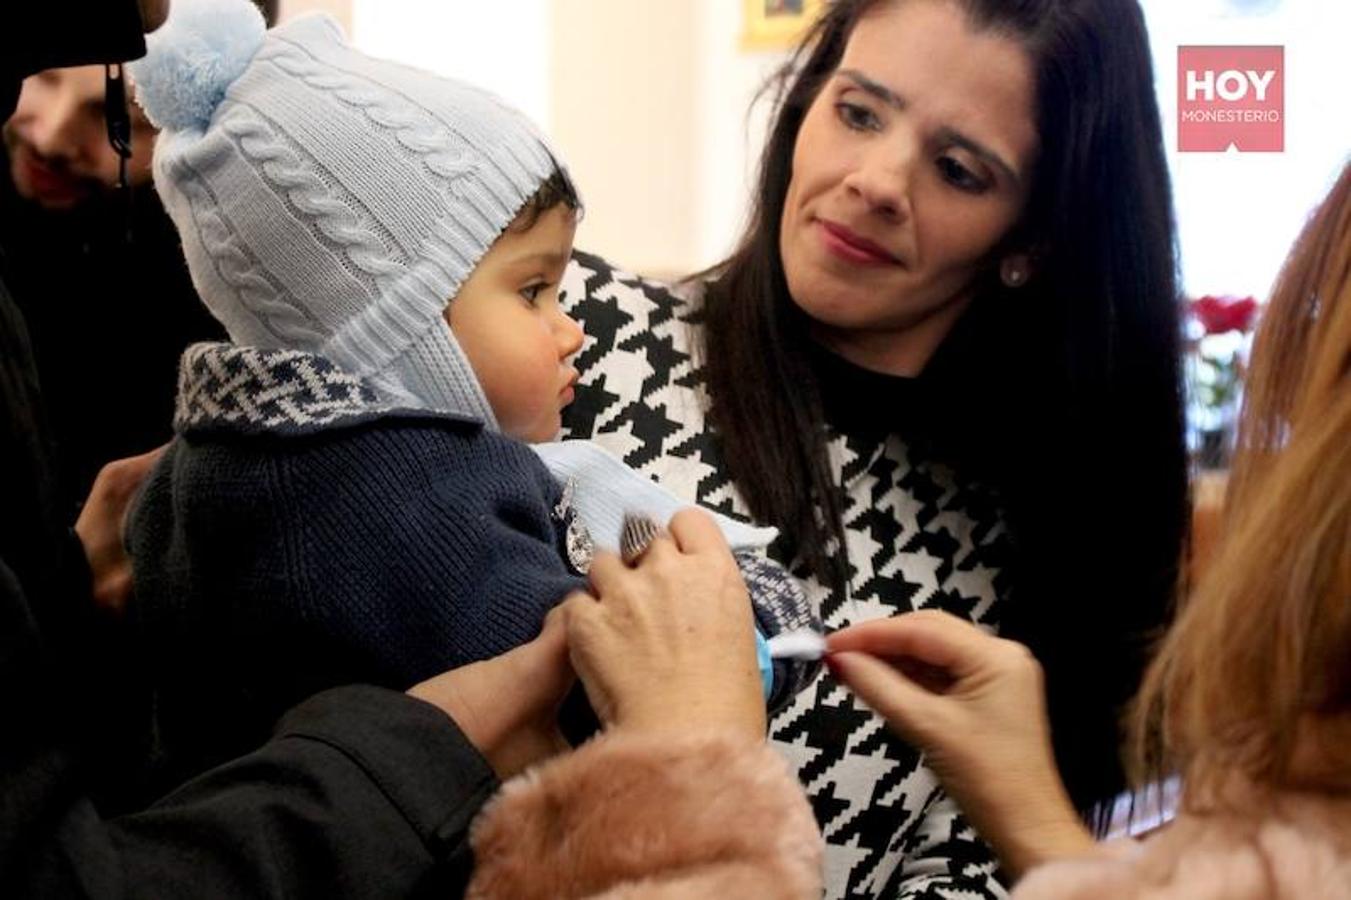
<point>1064,395</point>
<point>557,190</point>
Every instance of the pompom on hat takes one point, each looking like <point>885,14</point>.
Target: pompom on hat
<point>331,202</point>
<point>199,52</point>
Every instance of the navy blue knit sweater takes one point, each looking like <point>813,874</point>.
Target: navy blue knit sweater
<point>300,534</point>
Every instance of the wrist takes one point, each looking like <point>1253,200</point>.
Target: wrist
<point>1042,825</point>
<point>479,731</point>
<point>1048,842</point>
<point>685,713</point>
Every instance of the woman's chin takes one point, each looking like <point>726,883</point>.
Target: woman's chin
<point>836,306</point>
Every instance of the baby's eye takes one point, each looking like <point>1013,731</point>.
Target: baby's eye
<point>857,117</point>
<point>532,292</point>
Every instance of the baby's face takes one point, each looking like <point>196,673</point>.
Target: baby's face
<point>518,339</point>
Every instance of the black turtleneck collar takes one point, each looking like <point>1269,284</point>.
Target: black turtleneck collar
<point>948,412</point>
<point>864,403</point>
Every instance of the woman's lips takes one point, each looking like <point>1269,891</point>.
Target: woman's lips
<point>845,244</point>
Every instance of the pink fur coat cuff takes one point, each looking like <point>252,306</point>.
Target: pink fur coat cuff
<point>664,817</point>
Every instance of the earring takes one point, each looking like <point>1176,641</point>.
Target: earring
<point>1013,272</point>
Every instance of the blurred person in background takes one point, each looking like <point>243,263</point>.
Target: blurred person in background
<point>97,272</point>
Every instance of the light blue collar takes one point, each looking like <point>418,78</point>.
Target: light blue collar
<point>606,490</point>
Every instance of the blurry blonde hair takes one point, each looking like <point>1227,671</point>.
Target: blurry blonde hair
<point>1263,645</point>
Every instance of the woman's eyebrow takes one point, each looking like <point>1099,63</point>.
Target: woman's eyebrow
<point>946,135</point>
<point>876,89</point>
<point>988,156</point>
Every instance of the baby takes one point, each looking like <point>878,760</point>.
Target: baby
<point>349,496</point>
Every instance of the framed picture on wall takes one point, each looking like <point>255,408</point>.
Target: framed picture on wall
<point>777,24</point>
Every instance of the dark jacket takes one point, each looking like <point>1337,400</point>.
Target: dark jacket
<point>51,587</point>
<point>110,308</point>
<point>300,534</point>
<point>361,793</point>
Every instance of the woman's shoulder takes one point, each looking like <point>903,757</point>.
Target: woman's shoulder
<point>1298,847</point>
<point>641,387</point>
<point>607,298</point>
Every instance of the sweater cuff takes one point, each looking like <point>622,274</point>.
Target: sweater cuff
<point>415,753</point>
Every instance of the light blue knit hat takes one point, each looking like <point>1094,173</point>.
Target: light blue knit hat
<point>330,202</point>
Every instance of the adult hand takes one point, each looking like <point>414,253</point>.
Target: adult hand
<point>975,705</point>
<point>508,706</point>
<point>101,524</point>
<point>669,644</point>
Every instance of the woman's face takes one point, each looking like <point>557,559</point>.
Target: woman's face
<point>911,165</point>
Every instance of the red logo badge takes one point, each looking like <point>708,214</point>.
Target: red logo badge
<point>1231,96</point>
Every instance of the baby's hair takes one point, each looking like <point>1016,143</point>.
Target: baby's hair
<point>557,190</point>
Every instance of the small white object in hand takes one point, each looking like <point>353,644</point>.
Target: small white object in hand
<point>803,644</point>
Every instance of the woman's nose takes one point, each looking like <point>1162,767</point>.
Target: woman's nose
<point>883,178</point>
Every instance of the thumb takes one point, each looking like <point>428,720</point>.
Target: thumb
<point>540,669</point>
<point>908,708</point>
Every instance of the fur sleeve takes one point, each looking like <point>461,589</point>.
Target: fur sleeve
<point>639,816</point>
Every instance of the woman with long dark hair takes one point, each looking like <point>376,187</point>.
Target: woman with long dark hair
<point>1248,698</point>
<point>943,361</point>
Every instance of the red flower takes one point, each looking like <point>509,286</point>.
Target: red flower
<point>1220,314</point>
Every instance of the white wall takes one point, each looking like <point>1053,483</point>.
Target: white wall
<point>624,118</point>
<point>1238,213</point>
<point>500,44</point>
<point>732,128</point>
<point>650,106</point>
<point>339,9</point>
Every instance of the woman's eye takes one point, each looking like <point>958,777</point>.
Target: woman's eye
<point>856,117</point>
<point>959,176</point>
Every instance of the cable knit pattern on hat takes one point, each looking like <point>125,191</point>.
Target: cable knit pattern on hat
<point>283,318</point>
<point>330,202</point>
